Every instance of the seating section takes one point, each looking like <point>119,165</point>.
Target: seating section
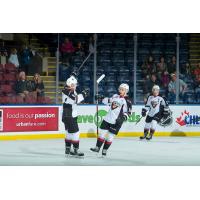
<point>8,77</point>
<point>115,58</point>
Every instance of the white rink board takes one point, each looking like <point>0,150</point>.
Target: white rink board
<point>87,118</point>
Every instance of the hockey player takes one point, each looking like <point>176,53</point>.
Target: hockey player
<point>120,110</point>
<point>70,99</point>
<point>157,107</point>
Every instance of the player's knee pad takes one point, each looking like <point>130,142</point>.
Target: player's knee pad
<point>110,137</point>
<point>102,133</point>
<point>69,136</point>
<point>154,124</point>
<point>75,136</point>
<point>147,126</point>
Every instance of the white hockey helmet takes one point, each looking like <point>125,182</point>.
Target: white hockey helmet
<point>71,81</point>
<point>155,88</point>
<point>125,86</point>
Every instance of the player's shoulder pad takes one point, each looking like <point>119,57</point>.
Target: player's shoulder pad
<point>114,96</point>
<point>128,101</point>
<point>149,97</point>
<point>70,94</point>
<point>127,98</point>
<point>65,91</point>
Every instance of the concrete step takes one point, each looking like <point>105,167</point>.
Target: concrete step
<point>194,50</point>
<point>51,58</point>
<point>52,67</point>
<point>194,47</point>
<point>52,88</point>
<point>49,83</point>
<point>44,78</point>
<point>195,39</point>
<point>194,56</point>
<point>198,59</point>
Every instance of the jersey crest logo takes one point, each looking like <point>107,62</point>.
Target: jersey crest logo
<point>115,105</point>
<point>154,103</point>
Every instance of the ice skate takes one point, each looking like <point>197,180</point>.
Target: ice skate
<point>149,137</point>
<point>95,149</point>
<point>104,152</point>
<point>77,153</point>
<point>143,137</point>
<point>67,151</point>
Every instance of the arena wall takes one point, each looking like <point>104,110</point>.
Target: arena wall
<point>45,122</point>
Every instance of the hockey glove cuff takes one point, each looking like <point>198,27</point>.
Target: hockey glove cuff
<point>144,111</point>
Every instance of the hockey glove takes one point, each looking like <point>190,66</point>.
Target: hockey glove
<point>85,92</point>
<point>75,74</point>
<point>166,112</point>
<point>121,119</point>
<point>99,97</point>
<point>143,112</point>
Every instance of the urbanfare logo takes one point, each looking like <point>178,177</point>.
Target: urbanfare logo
<point>186,119</point>
<point>101,114</point>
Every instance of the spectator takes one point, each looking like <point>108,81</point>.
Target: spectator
<point>187,69</point>
<point>197,88</point>
<point>172,89</point>
<point>67,50</point>
<point>3,51</point>
<point>197,70</point>
<point>37,85</point>
<point>35,65</point>
<point>25,57</point>
<point>165,81</point>
<point>149,84</point>
<point>148,67</point>
<point>80,50</point>
<point>14,58</point>
<point>161,67</point>
<point>22,87</point>
<point>172,65</point>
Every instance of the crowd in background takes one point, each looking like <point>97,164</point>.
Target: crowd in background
<point>19,64</point>
<point>164,75</point>
<point>25,59</point>
<point>29,62</point>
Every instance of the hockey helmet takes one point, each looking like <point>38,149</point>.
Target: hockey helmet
<point>71,81</point>
<point>166,119</point>
<point>155,88</point>
<point>125,86</point>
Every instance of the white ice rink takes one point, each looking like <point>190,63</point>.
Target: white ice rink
<point>123,152</point>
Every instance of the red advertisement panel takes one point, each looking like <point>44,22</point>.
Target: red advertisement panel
<point>29,119</point>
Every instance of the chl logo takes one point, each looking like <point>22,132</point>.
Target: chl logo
<point>187,119</point>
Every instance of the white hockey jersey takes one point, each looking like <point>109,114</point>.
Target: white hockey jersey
<point>154,105</point>
<point>70,100</point>
<point>118,106</point>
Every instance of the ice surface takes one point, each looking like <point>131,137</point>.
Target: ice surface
<point>123,152</point>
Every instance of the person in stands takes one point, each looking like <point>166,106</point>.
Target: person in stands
<point>38,85</point>
<point>14,58</point>
<point>67,50</point>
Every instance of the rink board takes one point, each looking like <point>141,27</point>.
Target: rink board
<point>45,122</point>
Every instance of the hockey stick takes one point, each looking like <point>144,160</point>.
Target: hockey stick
<point>138,120</point>
<point>76,73</point>
<point>97,101</point>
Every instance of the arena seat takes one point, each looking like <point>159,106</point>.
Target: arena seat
<point>9,67</point>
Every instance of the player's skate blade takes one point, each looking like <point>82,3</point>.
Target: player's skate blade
<point>104,152</point>
<point>77,153</point>
<point>67,152</point>
<point>95,149</point>
<point>142,137</point>
<point>149,138</point>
